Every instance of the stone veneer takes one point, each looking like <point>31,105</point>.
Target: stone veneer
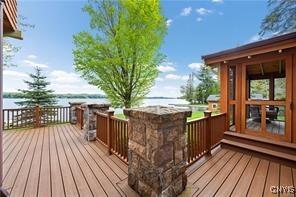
<point>89,116</point>
<point>73,105</point>
<point>157,150</point>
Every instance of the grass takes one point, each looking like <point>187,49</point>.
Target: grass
<point>121,116</point>
<point>196,115</point>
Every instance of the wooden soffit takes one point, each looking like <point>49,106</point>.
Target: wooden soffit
<point>277,43</point>
<point>10,19</point>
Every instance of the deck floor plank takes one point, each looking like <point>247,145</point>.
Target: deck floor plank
<point>12,172</point>
<point>244,182</point>
<point>217,181</point>
<point>103,173</point>
<point>211,173</point>
<point>55,167</point>
<point>272,178</point>
<point>69,183</point>
<point>45,173</point>
<point>228,186</point>
<point>33,176</point>
<point>91,179</point>
<point>82,186</point>
<point>21,179</point>
<point>258,183</point>
<point>104,160</point>
<point>286,179</point>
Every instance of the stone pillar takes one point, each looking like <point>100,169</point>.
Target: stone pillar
<point>157,150</point>
<point>89,116</point>
<point>73,105</point>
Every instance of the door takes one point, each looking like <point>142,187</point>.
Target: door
<point>267,98</point>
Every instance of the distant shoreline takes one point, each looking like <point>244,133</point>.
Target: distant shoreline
<point>15,95</point>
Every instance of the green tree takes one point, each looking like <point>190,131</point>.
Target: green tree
<point>188,90</point>
<point>121,53</point>
<point>281,18</point>
<point>208,84</point>
<point>37,92</point>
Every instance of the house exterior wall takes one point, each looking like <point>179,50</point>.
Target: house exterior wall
<point>224,76</point>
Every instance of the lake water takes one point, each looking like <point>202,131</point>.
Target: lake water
<point>10,103</point>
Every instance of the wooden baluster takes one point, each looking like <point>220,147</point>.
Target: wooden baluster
<point>109,130</point>
<point>208,115</point>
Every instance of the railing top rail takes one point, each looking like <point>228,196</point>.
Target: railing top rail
<point>101,114</point>
<point>118,119</point>
<point>196,120</point>
<point>220,114</point>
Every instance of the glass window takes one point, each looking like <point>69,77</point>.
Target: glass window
<point>253,117</point>
<point>275,119</point>
<point>280,89</point>
<point>232,118</point>
<point>259,89</point>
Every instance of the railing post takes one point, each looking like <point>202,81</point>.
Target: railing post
<point>37,116</point>
<point>208,115</point>
<point>110,113</point>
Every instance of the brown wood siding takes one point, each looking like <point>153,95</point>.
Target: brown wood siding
<point>10,16</point>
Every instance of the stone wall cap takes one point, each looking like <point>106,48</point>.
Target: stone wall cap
<point>158,112</point>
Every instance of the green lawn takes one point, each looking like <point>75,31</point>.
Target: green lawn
<point>195,115</point>
<point>121,116</point>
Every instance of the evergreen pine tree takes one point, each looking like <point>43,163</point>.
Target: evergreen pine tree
<point>37,92</point>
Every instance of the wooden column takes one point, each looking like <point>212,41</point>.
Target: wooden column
<point>208,115</point>
<point>109,130</point>
<point>224,88</point>
<point>37,116</point>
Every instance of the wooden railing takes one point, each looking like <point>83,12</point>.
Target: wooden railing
<point>204,134</point>
<point>119,137</point>
<point>113,133</point>
<point>101,127</point>
<point>79,116</point>
<point>34,117</point>
<point>218,127</point>
<point>196,139</point>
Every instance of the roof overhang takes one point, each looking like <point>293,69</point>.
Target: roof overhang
<point>10,19</point>
<point>276,43</point>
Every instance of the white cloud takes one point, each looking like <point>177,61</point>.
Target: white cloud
<point>169,22</point>
<point>199,19</point>
<point>32,57</point>
<point>11,73</point>
<point>171,88</point>
<point>166,68</point>
<point>217,1</point>
<point>195,66</point>
<point>186,11</point>
<point>74,88</point>
<point>203,11</point>
<point>60,76</point>
<point>176,77</point>
<point>31,63</point>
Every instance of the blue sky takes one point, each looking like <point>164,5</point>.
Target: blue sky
<point>195,28</point>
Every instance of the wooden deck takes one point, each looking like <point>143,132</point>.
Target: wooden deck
<point>236,173</point>
<point>57,161</point>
